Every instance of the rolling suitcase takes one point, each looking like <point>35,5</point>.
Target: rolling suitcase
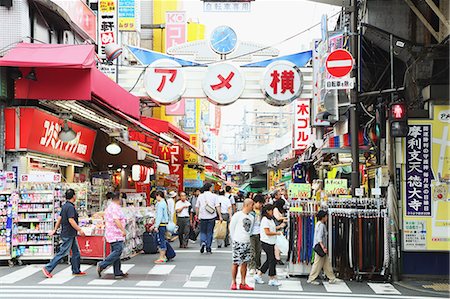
<point>150,243</point>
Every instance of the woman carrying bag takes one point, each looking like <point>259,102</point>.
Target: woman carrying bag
<point>161,222</point>
<point>269,235</point>
<point>321,258</point>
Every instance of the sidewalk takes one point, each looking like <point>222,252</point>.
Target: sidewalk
<point>440,287</point>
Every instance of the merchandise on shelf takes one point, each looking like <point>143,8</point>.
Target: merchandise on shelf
<point>7,210</point>
<point>136,219</point>
<point>136,199</point>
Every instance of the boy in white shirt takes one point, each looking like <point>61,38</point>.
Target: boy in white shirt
<point>182,209</point>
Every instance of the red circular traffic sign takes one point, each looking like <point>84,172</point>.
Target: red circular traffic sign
<point>339,63</point>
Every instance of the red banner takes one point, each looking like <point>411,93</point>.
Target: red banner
<point>39,133</point>
<point>174,154</point>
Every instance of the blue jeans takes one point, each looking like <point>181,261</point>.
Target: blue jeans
<point>161,238</point>
<point>206,232</point>
<point>69,243</point>
<point>113,258</point>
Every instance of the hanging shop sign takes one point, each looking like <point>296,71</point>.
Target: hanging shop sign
<point>40,177</point>
<point>282,83</point>
<point>339,63</point>
<point>302,125</point>
<point>39,133</point>
<point>176,28</point>
<point>191,115</point>
<point>418,171</point>
<point>299,190</point>
<point>107,23</point>
<point>164,81</point>
<point>336,186</point>
<point>233,6</point>
<point>80,13</point>
<point>189,156</point>
<point>426,220</point>
<point>174,154</point>
<point>223,84</point>
<point>127,14</point>
<point>176,109</point>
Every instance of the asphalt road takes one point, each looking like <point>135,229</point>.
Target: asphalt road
<point>189,275</point>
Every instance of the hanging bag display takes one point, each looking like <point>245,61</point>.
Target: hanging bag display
<point>319,250</point>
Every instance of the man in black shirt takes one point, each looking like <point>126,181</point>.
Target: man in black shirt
<point>68,220</point>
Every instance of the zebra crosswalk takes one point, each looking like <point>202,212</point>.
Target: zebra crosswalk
<point>176,277</point>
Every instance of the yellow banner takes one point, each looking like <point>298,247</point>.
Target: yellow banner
<point>432,233</point>
<point>189,156</point>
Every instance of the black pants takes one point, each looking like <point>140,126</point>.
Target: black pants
<point>183,230</point>
<point>270,263</point>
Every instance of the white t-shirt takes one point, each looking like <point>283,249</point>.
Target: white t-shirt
<point>171,207</point>
<point>202,200</point>
<point>224,204</point>
<point>270,224</point>
<point>184,212</point>
<point>240,227</point>
<point>231,198</point>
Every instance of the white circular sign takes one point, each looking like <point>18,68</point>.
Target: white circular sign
<point>282,83</point>
<point>223,84</point>
<point>164,81</point>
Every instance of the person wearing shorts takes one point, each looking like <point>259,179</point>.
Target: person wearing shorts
<point>240,230</point>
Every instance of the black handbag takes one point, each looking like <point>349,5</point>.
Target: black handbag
<point>319,250</point>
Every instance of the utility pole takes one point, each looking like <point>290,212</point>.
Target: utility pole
<point>354,117</point>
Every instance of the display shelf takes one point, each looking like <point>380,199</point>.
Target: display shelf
<point>36,257</point>
<point>35,202</point>
<point>7,213</point>
<point>35,220</point>
<point>36,211</point>
<point>36,192</point>
<point>29,231</point>
<point>35,243</point>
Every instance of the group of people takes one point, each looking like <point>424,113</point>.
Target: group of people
<point>251,230</point>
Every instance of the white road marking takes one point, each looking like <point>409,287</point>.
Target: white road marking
<point>205,272</point>
<point>149,283</point>
<point>161,269</point>
<point>125,268</point>
<point>340,287</point>
<point>102,282</point>
<point>19,274</point>
<point>383,288</point>
<point>291,285</point>
<point>63,276</point>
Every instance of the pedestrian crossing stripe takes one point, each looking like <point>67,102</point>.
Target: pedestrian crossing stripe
<point>199,278</point>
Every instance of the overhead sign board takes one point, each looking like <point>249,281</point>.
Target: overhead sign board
<point>233,6</point>
<point>282,83</point>
<point>302,125</point>
<point>223,84</point>
<point>339,63</point>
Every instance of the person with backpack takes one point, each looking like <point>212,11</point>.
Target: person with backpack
<point>115,235</point>
<point>225,210</point>
<point>231,198</point>
<point>208,210</point>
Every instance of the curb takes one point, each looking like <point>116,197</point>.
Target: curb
<point>406,286</point>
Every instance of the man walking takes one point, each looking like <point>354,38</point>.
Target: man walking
<point>240,230</point>
<point>68,220</point>
<point>225,210</point>
<point>182,209</point>
<point>208,210</point>
<point>231,198</point>
<point>115,235</point>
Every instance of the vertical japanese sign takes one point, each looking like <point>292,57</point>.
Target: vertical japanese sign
<point>418,171</point>
<point>176,28</point>
<point>177,163</point>
<point>189,156</point>
<point>302,125</point>
<point>127,15</point>
<point>190,117</point>
<point>107,32</point>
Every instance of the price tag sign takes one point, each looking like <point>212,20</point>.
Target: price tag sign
<point>359,192</point>
<point>299,191</point>
<point>336,186</point>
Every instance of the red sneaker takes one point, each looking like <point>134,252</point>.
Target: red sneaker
<point>79,274</point>
<point>46,273</point>
<point>234,287</point>
<point>246,287</point>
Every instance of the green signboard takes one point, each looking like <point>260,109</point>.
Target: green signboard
<point>299,191</point>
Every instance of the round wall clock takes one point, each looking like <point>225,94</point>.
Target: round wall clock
<point>223,40</point>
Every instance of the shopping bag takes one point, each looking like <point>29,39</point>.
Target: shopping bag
<point>170,253</point>
<point>220,230</point>
<point>282,244</point>
<point>193,234</point>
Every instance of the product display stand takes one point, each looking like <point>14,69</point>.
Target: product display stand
<point>301,236</point>
<point>358,237</point>
<point>35,219</point>
<point>7,202</point>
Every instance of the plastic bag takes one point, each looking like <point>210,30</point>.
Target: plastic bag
<point>282,244</point>
<point>220,230</point>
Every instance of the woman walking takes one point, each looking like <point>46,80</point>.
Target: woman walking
<point>162,219</point>
<point>279,217</point>
<point>321,262</point>
<point>269,235</point>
